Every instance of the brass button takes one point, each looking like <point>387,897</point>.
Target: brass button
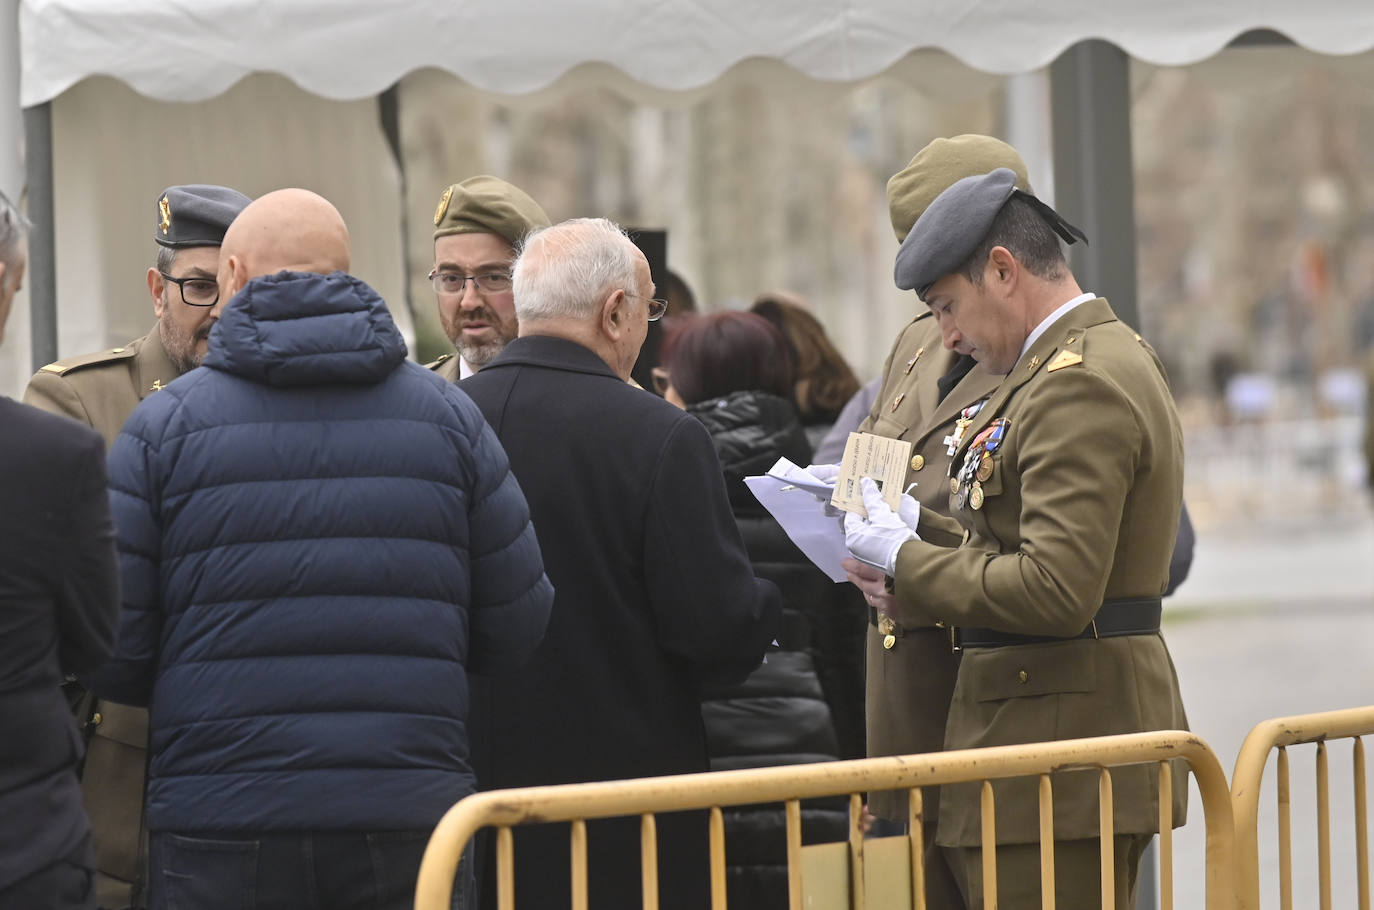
<point>96,719</point>
<point>917,462</point>
<point>898,400</point>
<point>889,642</point>
<point>1023,676</point>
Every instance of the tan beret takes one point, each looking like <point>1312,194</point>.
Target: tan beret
<point>939,166</point>
<point>487,205</point>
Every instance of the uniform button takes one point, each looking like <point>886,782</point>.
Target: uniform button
<point>1023,676</point>
<point>889,642</point>
<point>96,719</point>
<point>918,462</point>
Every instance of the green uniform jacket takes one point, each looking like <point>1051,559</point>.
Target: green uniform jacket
<point>1082,506</point>
<point>910,684</point>
<point>101,390</point>
<point>447,366</point>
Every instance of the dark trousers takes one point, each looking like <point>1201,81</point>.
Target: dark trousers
<point>65,885</point>
<point>334,871</point>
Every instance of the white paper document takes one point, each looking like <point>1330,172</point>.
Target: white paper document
<point>798,501</point>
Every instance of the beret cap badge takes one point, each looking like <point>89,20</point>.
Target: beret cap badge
<point>165,211</point>
<point>443,206</point>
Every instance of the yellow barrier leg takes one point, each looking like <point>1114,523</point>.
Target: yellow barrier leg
<point>1285,834</point>
<point>505,868</point>
<point>1106,827</point>
<point>916,834</point>
<point>1046,843</point>
<point>1166,836</point>
<point>1361,826</point>
<point>1323,827</point>
<point>648,859</point>
<point>579,864</point>
<point>989,849</point>
<point>718,859</point>
<point>794,861</point>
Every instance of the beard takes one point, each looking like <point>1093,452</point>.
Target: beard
<point>480,353</point>
<point>181,345</point>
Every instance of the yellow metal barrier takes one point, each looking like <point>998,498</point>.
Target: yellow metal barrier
<point>1281,733</point>
<point>788,785</point>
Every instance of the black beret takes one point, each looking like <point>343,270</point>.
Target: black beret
<point>197,214</point>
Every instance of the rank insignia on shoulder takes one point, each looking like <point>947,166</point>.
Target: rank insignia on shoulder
<point>1064,359</point>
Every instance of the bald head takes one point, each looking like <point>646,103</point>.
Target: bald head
<point>291,229</point>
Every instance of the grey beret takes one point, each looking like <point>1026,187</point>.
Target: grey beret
<point>955,224</point>
<point>950,230</point>
<point>196,214</point>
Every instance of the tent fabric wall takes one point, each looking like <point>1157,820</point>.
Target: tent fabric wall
<point>355,49</point>
<point>115,150</point>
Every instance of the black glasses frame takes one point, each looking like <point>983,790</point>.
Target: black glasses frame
<point>181,286</point>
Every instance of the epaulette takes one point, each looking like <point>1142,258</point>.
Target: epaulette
<point>109,355</point>
<point>435,364</point>
<point>1069,355</point>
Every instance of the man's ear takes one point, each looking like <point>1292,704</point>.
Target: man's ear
<point>155,286</point>
<point>1002,268</point>
<point>614,315</point>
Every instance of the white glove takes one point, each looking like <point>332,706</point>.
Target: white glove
<point>877,539</point>
<point>826,473</point>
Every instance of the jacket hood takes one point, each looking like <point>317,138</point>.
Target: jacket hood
<point>750,431</point>
<point>302,329</point>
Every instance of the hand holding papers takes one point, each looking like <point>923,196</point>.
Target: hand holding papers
<point>882,459</point>
<point>877,539</point>
<point>797,499</point>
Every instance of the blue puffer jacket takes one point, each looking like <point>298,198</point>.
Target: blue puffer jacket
<point>316,538</point>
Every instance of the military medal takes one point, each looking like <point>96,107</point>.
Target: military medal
<point>984,471</point>
<point>975,496</point>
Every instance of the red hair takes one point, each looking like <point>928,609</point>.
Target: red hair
<point>711,356</point>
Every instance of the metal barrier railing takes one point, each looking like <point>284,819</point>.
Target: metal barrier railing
<point>789,785</point>
<point>1280,733</point>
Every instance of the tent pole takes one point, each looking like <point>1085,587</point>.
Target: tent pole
<point>1090,91</point>
<point>41,275</point>
<point>389,112</point>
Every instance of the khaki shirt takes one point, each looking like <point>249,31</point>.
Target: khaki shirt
<point>101,390</point>
<point>1081,505</point>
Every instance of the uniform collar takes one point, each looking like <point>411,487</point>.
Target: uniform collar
<point>1050,320</point>
<point>153,368</point>
<point>553,352</point>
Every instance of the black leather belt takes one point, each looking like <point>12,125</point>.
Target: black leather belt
<point>1126,616</point>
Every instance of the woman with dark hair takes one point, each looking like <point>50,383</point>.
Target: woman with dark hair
<point>732,371</point>
<point>822,381</point>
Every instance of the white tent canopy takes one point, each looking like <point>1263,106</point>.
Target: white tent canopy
<point>343,50</point>
<point>650,49</point>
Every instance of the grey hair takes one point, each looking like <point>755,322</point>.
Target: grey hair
<point>567,270</point>
<point>166,258</point>
<point>14,228</point>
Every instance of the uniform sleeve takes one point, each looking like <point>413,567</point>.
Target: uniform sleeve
<point>87,586</point>
<point>1074,476</point>
<point>511,595</point>
<point>709,608</point>
<point>52,393</point>
<point>128,677</point>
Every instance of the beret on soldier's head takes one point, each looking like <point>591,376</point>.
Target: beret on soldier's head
<point>950,230</point>
<point>937,166</point>
<point>487,205</point>
<point>196,214</point>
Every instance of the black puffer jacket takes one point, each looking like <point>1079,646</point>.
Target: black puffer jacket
<point>806,703</point>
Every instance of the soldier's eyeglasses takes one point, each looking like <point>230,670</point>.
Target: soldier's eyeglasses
<point>657,306</point>
<point>455,283</point>
<point>195,291</point>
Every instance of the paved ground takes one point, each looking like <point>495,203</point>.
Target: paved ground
<point>1268,626</point>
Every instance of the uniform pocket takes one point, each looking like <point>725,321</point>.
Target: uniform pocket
<point>1022,671</point>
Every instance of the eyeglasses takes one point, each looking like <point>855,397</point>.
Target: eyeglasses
<point>195,291</point>
<point>455,283</point>
<point>661,380</point>
<point>657,306</point>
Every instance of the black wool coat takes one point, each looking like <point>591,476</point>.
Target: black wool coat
<point>654,596</point>
<point>59,599</point>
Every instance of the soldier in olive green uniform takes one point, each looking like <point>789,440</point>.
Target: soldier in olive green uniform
<point>1068,485</point>
<point>477,227</point>
<point>928,392</point>
<point>101,390</point>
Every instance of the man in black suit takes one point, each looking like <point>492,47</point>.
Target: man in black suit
<point>654,589</point>
<point>59,598</point>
